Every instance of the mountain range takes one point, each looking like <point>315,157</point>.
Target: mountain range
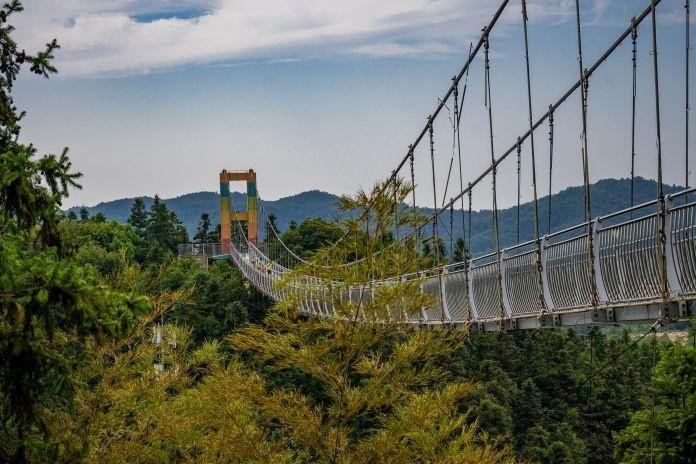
<point>607,196</point>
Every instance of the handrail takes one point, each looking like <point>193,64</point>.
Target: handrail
<point>630,209</point>
<point>568,229</point>
<point>630,221</point>
<point>681,192</point>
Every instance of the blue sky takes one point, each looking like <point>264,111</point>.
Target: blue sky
<point>158,96</point>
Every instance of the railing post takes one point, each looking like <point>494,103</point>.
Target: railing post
<point>545,275</point>
<point>424,314</point>
<point>470,284</point>
<point>503,282</point>
<point>671,265</point>
<point>597,263</point>
<point>443,295</point>
<point>406,316</point>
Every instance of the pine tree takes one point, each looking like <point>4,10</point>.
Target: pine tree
<point>460,253</point>
<point>163,233</point>
<point>203,230</point>
<point>434,252</point>
<point>215,235</point>
<point>139,215</point>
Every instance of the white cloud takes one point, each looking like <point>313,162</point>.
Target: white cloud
<point>109,37</point>
<point>390,49</point>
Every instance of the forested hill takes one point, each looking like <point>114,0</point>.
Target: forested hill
<point>189,207</point>
<point>608,195</point>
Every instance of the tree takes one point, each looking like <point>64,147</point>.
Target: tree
<point>84,214</point>
<point>270,229</point>
<point>72,216</point>
<point>346,390</point>
<point>665,431</point>
<point>203,231</point>
<point>163,233</point>
<point>310,235</point>
<point>221,301</point>
<point>99,217</point>
<point>215,235</point>
<point>434,252</point>
<point>460,253</point>
<point>139,215</point>
<point>45,296</point>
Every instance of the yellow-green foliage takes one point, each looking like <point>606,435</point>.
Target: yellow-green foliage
<point>290,390</point>
<point>352,391</point>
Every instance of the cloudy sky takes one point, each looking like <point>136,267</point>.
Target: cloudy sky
<point>157,96</point>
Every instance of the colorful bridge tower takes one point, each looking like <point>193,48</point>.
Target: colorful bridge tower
<point>226,215</point>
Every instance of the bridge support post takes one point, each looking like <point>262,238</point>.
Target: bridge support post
<point>671,267</point>
<point>503,282</point>
<point>545,276</point>
<point>597,263</point>
<point>424,314</point>
<point>443,297</point>
<point>470,292</point>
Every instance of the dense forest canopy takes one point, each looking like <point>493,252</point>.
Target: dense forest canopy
<point>114,350</point>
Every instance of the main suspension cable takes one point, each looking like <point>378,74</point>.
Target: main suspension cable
<point>462,71</point>
<point>554,106</point>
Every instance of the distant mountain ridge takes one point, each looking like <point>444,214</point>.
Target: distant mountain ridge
<point>607,195</point>
<point>189,207</point>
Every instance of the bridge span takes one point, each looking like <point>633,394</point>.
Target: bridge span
<point>634,265</point>
<point>553,284</point>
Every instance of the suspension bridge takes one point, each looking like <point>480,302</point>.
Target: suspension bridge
<point>633,265</point>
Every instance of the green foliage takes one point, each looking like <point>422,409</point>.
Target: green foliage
<point>434,252</point>
<point>160,232</point>
<point>222,300</point>
<point>535,390</point>
<point>139,215</point>
<point>203,230</point>
<point>31,189</point>
<point>43,295</point>
<point>460,253</point>
<point>310,236</point>
<point>664,430</point>
<point>164,227</point>
<point>84,376</point>
<point>341,390</point>
<point>106,246</point>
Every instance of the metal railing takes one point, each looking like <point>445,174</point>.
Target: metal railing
<point>626,253</point>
